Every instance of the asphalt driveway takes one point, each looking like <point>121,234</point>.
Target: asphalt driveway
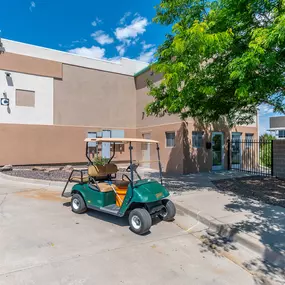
<point>43,242</point>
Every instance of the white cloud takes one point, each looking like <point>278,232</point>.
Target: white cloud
<point>96,22</point>
<point>93,52</point>
<point>147,46</point>
<point>265,109</point>
<point>102,38</point>
<point>79,41</point>
<point>147,56</point>
<point>148,51</point>
<point>32,6</point>
<point>123,19</point>
<point>121,49</point>
<point>137,27</point>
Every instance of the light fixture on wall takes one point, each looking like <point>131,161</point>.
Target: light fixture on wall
<point>2,49</point>
<point>9,79</point>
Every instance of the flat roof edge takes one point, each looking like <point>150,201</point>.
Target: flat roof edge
<point>142,70</point>
<point>125,66</point>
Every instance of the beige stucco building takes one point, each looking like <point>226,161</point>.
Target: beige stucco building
<point>277,126</point>
<point>57,99</point>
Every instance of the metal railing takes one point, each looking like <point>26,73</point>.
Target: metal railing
<point>252,156</point>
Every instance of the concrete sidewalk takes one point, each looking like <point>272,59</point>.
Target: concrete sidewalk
<point>256,225</point>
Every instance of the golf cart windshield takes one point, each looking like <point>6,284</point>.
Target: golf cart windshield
<point>132,156</point>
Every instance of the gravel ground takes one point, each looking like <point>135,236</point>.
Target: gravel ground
<point>52,173</point>
<point>58,175</point>
<point>269,190</point>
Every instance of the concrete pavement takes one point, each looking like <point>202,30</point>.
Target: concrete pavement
<point>259,226</point>
<point>43,242</point>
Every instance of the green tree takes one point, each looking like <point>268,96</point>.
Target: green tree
<point>265,149</point>
<point>222,58</point>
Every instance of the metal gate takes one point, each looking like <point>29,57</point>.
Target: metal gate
<point>252,156</point>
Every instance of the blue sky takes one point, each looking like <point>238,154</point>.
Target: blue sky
<point>265,112</point>
<point>103,29</point>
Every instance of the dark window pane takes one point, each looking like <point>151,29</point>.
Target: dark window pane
<point>170,139</point>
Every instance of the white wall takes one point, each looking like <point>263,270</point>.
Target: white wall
<point>41,114</point>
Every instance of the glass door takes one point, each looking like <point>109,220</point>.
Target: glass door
<point>218,150</point>
<point>236,150</point>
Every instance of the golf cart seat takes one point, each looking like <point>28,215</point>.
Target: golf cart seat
<point>105,187</point>
<point>102,172</point>
<point>77,179</point>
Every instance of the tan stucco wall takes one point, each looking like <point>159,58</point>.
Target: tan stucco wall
<point>88,97</point>
<point>143,99</point>
<point>36,144</point>
<point>183,158</point>
<point>30,65</point>
<point>171,158</point>
<point>92,100</point>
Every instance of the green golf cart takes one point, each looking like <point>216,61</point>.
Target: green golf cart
<point>99,188</point>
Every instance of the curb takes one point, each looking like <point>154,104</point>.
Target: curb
<point>233,234</point>
<point>32,181</point>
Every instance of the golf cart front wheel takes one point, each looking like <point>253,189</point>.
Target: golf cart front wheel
<point>78,205</point>
<point>170,210</point>
<point>140,221</point>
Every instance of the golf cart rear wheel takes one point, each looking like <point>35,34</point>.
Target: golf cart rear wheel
<point>78,205</point>
<point>140,221</point>
<point>170,210</point>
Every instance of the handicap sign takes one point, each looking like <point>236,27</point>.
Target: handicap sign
<point>4,101</point>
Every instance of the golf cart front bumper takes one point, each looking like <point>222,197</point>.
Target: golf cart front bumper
<point>155,209</point>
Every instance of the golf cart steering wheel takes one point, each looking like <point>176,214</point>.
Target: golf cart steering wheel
<point>126,176</point>
<point>134,165</point>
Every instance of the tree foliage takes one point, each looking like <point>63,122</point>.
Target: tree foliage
<point>223,58</point>
<point>265,149</point>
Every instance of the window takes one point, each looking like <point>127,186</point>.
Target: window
<point>170,139</point>
<point>92,135</point>
<point>25,98</point>
<point>118,134</point>
<point>248,140</point>
<point>197,139</point>
<point>281,134</point>
<point>236,137</point>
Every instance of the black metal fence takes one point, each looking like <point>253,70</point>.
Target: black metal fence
<point>252,156</point>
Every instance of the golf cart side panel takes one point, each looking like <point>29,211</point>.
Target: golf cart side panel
<point>94,197</point>
<point>145,191</point>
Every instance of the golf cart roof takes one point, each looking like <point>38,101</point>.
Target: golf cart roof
<point>119,140</point>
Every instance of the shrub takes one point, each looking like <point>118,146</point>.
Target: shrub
<point>100,160</point>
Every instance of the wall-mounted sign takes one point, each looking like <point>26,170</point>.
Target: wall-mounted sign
<point>4,101</point>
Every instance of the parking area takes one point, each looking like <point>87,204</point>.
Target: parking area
<point>43,242</point>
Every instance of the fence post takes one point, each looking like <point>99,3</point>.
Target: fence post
<point>229,154</point>
<point>272,158</point>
